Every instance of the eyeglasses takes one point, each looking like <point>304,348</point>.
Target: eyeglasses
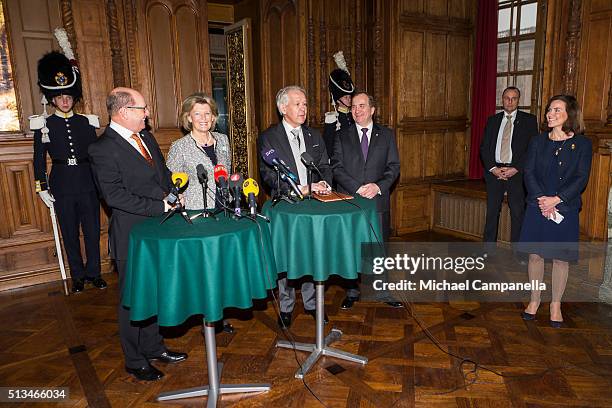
<point>146,107</point>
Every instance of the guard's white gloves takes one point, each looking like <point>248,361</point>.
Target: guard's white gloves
<point>47,198</point>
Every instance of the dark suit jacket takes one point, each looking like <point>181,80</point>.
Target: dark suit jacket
<point>382,166</point>
<point>275,138</point>
<point>525,127</point>
<point>131,188</point>
<point>575,158</point>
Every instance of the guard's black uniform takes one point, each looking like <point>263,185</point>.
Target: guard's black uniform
<point>331,129</point>
<point>71,184</point>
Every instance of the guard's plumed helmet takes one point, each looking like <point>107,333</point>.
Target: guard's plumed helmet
<point>57,76</point>
<point>58,73</point>
<point>340,82</point>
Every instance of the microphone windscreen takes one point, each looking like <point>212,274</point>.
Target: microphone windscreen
<point>236,178</point>
<point>181,178</point>
<point>307,158</point>
<point>270,156</point>
<point>201,172</point>
<point>250,186</point>
<point>219,172</point>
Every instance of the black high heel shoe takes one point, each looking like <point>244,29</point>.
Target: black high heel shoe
<point>528,316</point>
<point>556,324</point>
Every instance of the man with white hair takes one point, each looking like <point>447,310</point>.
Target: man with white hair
<point>290,138</point>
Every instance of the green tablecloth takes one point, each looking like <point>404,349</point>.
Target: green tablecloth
<point>321,239</point>
<point>176,270</point>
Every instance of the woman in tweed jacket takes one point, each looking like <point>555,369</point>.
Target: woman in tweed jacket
<point>200,146</point>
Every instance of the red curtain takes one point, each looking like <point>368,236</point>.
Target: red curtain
<point>484,80</point>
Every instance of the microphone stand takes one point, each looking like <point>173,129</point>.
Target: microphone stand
<point>309,181</point>
<point>278,196</point>
<point>205,212</point>
<point>177,208</point>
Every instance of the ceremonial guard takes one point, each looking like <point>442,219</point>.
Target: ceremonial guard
<point>342,90</point>
<point>69,188</point>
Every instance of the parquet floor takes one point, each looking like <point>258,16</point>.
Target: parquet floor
<point>498,360</point>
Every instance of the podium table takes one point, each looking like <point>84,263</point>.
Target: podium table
<point>177,270</point>
<point>319,239</point>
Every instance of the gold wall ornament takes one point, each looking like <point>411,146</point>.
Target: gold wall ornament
<point>240,106</point>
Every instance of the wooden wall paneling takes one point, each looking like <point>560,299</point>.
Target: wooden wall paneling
<point>557,15</point>
<point>91,28</point>
<point>434,72</point>
<point>118,62</point>
<point>30,36</point>
<point>163,75</point>
<point>410,77</point>
<point>594,216</point>
<point>596,65</point>
<point>22,219</point>
<point>593,73</point>
<point>433,154</point>
<point>411,211</point>
<point>572,47</point>
<point>281,29</point>
<point>189,54</point>
<point>410,148</point>
<point>458,65</point>
<point>172,45</point>
<point>455,154</point>
<point>412,6</point>
<point>436,7</point>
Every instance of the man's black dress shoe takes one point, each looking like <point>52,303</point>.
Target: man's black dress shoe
<point>223,327</point>
<point>284,320</point>
<point>395,304</point>
<point>348,301</point>
<point>313,313</point>
<point>97,282</point>
<point>170,357</point>
<point>147,373</point>
<point>528,316</point>
<point>78,285</point>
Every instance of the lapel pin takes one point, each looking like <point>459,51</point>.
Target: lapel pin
<point>573,146</point>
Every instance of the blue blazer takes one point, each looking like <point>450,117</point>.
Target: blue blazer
<point>574,170</point>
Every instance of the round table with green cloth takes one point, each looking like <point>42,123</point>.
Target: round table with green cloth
<point>176,270</point>
<point>320,239</point>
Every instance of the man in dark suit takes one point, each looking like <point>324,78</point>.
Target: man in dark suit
<point>503,151</point>
<point>134,181</point>
<point>290,139</point>
<point>366,163</point>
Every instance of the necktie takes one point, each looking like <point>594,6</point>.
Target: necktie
<point>504,151</point>
<point>297,151</point>
<point>364,143</point>
<point>296,135</point>
<point>143,150</point>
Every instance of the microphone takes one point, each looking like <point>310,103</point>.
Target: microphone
<point>293,186</point>
<point>236,185</point>
<point>309,162</point>
<point>220,173</point>
<point>272,159</point>
<point>202,175</point>
<point>250,188</point>
<point>179,181</point>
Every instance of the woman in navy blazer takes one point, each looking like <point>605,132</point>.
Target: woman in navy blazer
<point>557,170</point>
